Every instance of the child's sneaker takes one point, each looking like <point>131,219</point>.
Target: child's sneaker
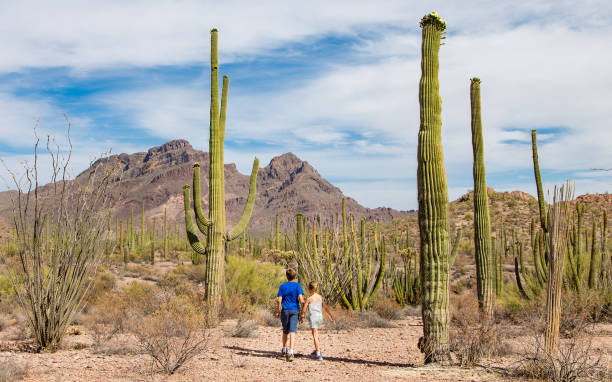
<point>289,357</point>
<point>318,356</point>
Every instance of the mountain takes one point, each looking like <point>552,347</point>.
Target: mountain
<point>286,186</point>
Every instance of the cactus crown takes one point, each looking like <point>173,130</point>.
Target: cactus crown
<point>196,164</point>
<point>433,19</point>
<point>213,30</point>
<point>475,80</point>
<point>186,187</point>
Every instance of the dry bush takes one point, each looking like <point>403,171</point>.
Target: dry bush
<point>4,322</point>
<point>388,309</point>
<point>103,283</point>
<point>235,306</point>
<point>472,338</point>
<point>20,330</point>
<point>267,318</point>
<point>373,320</point>
<point>343,320</point>
<point>411,311</point>
<point>173,333</point>
<point>11,371</point>
<point>575,361</point>
<point>244,328</point>
<point>106,319</point>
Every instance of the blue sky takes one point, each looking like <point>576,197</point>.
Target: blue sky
<point>337,84</point>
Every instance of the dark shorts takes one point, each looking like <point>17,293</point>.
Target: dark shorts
<point>289,318</point>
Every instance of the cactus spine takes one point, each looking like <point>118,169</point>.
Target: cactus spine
<point>482,222</point>
<point>433,200</point>
<point>214,226</point>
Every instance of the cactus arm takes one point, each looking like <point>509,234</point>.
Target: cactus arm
<point>191,234</point>
<point>248,209</point>
<point>538,179</point>
<point>201,219</point>
<point>381,273</point>
<point>517,274</point>
<point>453,254</point>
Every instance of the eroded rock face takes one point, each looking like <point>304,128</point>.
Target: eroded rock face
<point>286,186</point>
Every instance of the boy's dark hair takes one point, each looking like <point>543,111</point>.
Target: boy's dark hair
<point>291,274</point>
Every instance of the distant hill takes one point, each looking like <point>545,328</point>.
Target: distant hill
<point>286,186</point>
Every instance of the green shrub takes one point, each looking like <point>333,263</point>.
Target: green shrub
<point>6,288</point>
<point>257,281</point>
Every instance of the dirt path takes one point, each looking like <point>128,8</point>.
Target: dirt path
<point>357,355</point>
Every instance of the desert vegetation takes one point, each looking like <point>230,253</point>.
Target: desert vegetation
<point>494,286</point>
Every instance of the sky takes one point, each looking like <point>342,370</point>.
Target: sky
<point>335,82</point>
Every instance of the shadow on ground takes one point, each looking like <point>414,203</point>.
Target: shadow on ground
<point>277,355</point>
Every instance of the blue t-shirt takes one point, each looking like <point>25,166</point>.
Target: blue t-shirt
<point>290,291</point>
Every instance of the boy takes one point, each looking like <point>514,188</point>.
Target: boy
<point>290,295</point>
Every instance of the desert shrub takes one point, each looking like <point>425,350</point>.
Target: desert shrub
<point>257,281</point>
<point>103,283</point>
<point>106,319</point>
<point>140,297</point>
<point>575,361</point>
<point>373,320</point>
<point>6,288</point>
<point>411,311</point>
<point>388,309</point>
<point>267,318</point>
<point>11,371</point>
<point>244,328</point>
<point>472,338</point>
<point>137,270</point>
<point>173,333</point>
<point>192,272</point>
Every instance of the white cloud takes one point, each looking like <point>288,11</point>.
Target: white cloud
<point>542,64</point>
<point>86,35</point>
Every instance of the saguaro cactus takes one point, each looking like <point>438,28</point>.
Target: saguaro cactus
<point>482,222</point>
<point>214,226</point>
<point>558,229</point>
<point>433,200</point>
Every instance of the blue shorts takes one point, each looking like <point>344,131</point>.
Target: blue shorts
<point>289,318</point>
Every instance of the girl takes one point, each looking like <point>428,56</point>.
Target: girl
<point>315,306</point>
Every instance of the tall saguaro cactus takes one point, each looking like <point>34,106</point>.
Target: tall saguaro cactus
<point>214,226</point>
<point>482,222</point>
<point>433,200</point>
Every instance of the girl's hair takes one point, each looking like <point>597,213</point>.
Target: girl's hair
<point>313,286</point>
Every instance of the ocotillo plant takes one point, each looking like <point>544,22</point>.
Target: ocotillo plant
<point>433,200</point>
<point>558,230</point>
<point>482,222</point>
<point>214,226</point>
